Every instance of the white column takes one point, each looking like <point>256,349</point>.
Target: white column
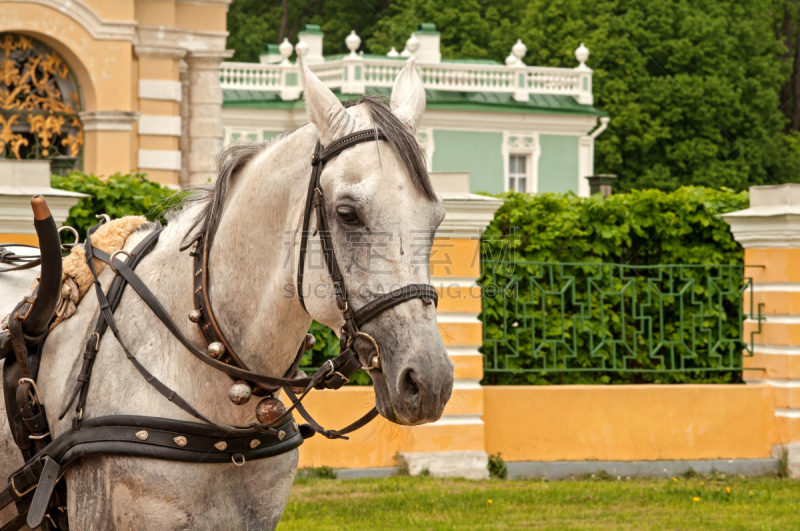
<point>205,114</point>
<point>184,143</point>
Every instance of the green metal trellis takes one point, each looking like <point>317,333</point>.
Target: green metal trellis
<point>554,317</point>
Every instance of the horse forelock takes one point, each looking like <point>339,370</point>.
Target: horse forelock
<point>401,139</point>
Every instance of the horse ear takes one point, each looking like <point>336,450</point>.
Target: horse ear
<point>323,107</point>
<point>408,96</point>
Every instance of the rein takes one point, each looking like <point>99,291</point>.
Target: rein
<point>32,486</point>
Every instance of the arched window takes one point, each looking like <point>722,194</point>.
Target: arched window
<point>39,103</point>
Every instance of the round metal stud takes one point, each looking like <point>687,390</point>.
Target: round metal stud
<point>195,316</point>
<point>216,350</point>
<point>142,435</point>
<point>281,435</point>
<point>240,392</point>
<point>309,342</point>
<point>269,409</point>
<point>221,446</point>
<point>180,440</point>
<point>254,443</point>
<point>298,390</point>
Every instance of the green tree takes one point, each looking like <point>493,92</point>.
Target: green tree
<point>692,86</point>
<point>255,23</point>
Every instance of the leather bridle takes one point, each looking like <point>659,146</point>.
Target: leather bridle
<point>337,371</point>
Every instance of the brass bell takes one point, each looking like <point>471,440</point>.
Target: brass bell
<point>309,342</point>
<point>195,316</point>
<point>269,409</point>
<point>240,392</point>
<point>298,390</point>
<point>216,350</point>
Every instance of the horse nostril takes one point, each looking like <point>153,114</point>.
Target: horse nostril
<point>409,386</point>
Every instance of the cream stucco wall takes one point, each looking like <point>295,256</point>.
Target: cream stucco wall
<point>114,46</point>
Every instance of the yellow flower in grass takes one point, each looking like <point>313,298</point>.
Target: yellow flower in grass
<point>696,499</point>
<point>489,501</point>
<point>728,490</point>
<point>751,493</point>
<point>702,483</point>
<point>675,480</point>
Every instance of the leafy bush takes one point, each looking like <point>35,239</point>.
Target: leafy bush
<point>119,195</point>
<point>497,467</point>
<point>327,347</point>
<point>640,228</point>
<point>321,472</point>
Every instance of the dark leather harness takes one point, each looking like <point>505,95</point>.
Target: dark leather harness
<point>32,486</point>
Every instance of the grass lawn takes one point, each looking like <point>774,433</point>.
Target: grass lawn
<point>699,502</point>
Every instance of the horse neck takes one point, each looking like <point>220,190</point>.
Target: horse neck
<point>251,265</point>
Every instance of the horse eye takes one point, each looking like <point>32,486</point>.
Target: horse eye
<point>347,215</point>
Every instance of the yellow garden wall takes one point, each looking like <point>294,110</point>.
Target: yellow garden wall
<point>562,423</point>
<point>629,422</point>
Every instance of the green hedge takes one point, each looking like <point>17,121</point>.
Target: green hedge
<point>119,195</point>
<point>639,228</point>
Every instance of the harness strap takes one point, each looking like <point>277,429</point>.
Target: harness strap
<point>152,437</point>
<point>318,159</point>
<point>114,296</point>
<point>331,434</point>
<point>372,309</point>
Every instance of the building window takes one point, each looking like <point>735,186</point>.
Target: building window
<point>39,104</point>
<point>518,173</point>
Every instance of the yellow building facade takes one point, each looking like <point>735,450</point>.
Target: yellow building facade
<point>146,75</point>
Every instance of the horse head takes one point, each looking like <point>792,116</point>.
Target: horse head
<point>382,214</point>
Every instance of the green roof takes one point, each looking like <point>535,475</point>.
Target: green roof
<point>311,29</point>
<point>436,99</point>
<point>473,61</point>
<point>427,28</point>
<point>338,56</point>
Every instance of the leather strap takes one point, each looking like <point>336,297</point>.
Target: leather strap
<point>114,296</point>
<point>41,496</point>
<point>152,437</point>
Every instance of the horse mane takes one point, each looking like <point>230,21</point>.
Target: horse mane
<point>236,156</point>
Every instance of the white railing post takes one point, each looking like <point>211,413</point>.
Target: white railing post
<point>520,82</point>
<point>289,87</point>
<point>584,95</point>
<point>353,65</point>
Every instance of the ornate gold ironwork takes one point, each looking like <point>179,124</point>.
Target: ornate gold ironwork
<point>39,102</point>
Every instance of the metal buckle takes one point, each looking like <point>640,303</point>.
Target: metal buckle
<point>96,341</point>
<point>18,493</point>
<point>35,389</point>
<point>74,233</point>
<point>337,373</point>
<point>111,259</point>
<point>376,359</point>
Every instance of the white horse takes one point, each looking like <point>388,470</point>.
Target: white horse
<point>382,211</point>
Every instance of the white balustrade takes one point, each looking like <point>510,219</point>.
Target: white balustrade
<point>353,73</point>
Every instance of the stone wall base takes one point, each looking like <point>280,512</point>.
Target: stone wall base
<point>463,464</point>
<point>623,469</point>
